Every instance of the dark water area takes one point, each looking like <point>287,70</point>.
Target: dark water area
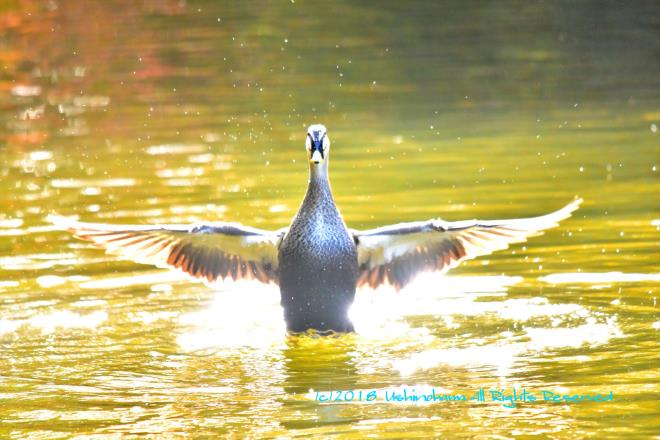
<point>161,111</point>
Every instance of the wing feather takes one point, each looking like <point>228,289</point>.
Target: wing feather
<point>395,254</point>
<point>209,252</point>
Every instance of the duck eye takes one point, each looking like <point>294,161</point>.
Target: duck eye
<point>326,142</point>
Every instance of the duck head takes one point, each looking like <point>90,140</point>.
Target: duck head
<point>317,144</point>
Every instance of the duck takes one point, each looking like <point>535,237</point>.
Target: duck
<point>317,262</point>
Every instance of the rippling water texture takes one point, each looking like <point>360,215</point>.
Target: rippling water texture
<point>179,111</point>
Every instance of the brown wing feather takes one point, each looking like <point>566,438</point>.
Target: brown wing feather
<point>396,254</point>
<point>208,252</point>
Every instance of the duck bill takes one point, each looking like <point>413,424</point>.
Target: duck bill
<point>316,157</point>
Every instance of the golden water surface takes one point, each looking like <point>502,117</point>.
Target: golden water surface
<point>172,111</point>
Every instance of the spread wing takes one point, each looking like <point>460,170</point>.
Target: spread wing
<point>396,254</point>
<point>209,252</point>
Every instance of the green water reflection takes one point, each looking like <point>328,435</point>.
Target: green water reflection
<point>180,111</point>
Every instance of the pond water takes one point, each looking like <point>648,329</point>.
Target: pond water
<point>167,111</point>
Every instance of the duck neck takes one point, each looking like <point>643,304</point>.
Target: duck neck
<point>319,184</point>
